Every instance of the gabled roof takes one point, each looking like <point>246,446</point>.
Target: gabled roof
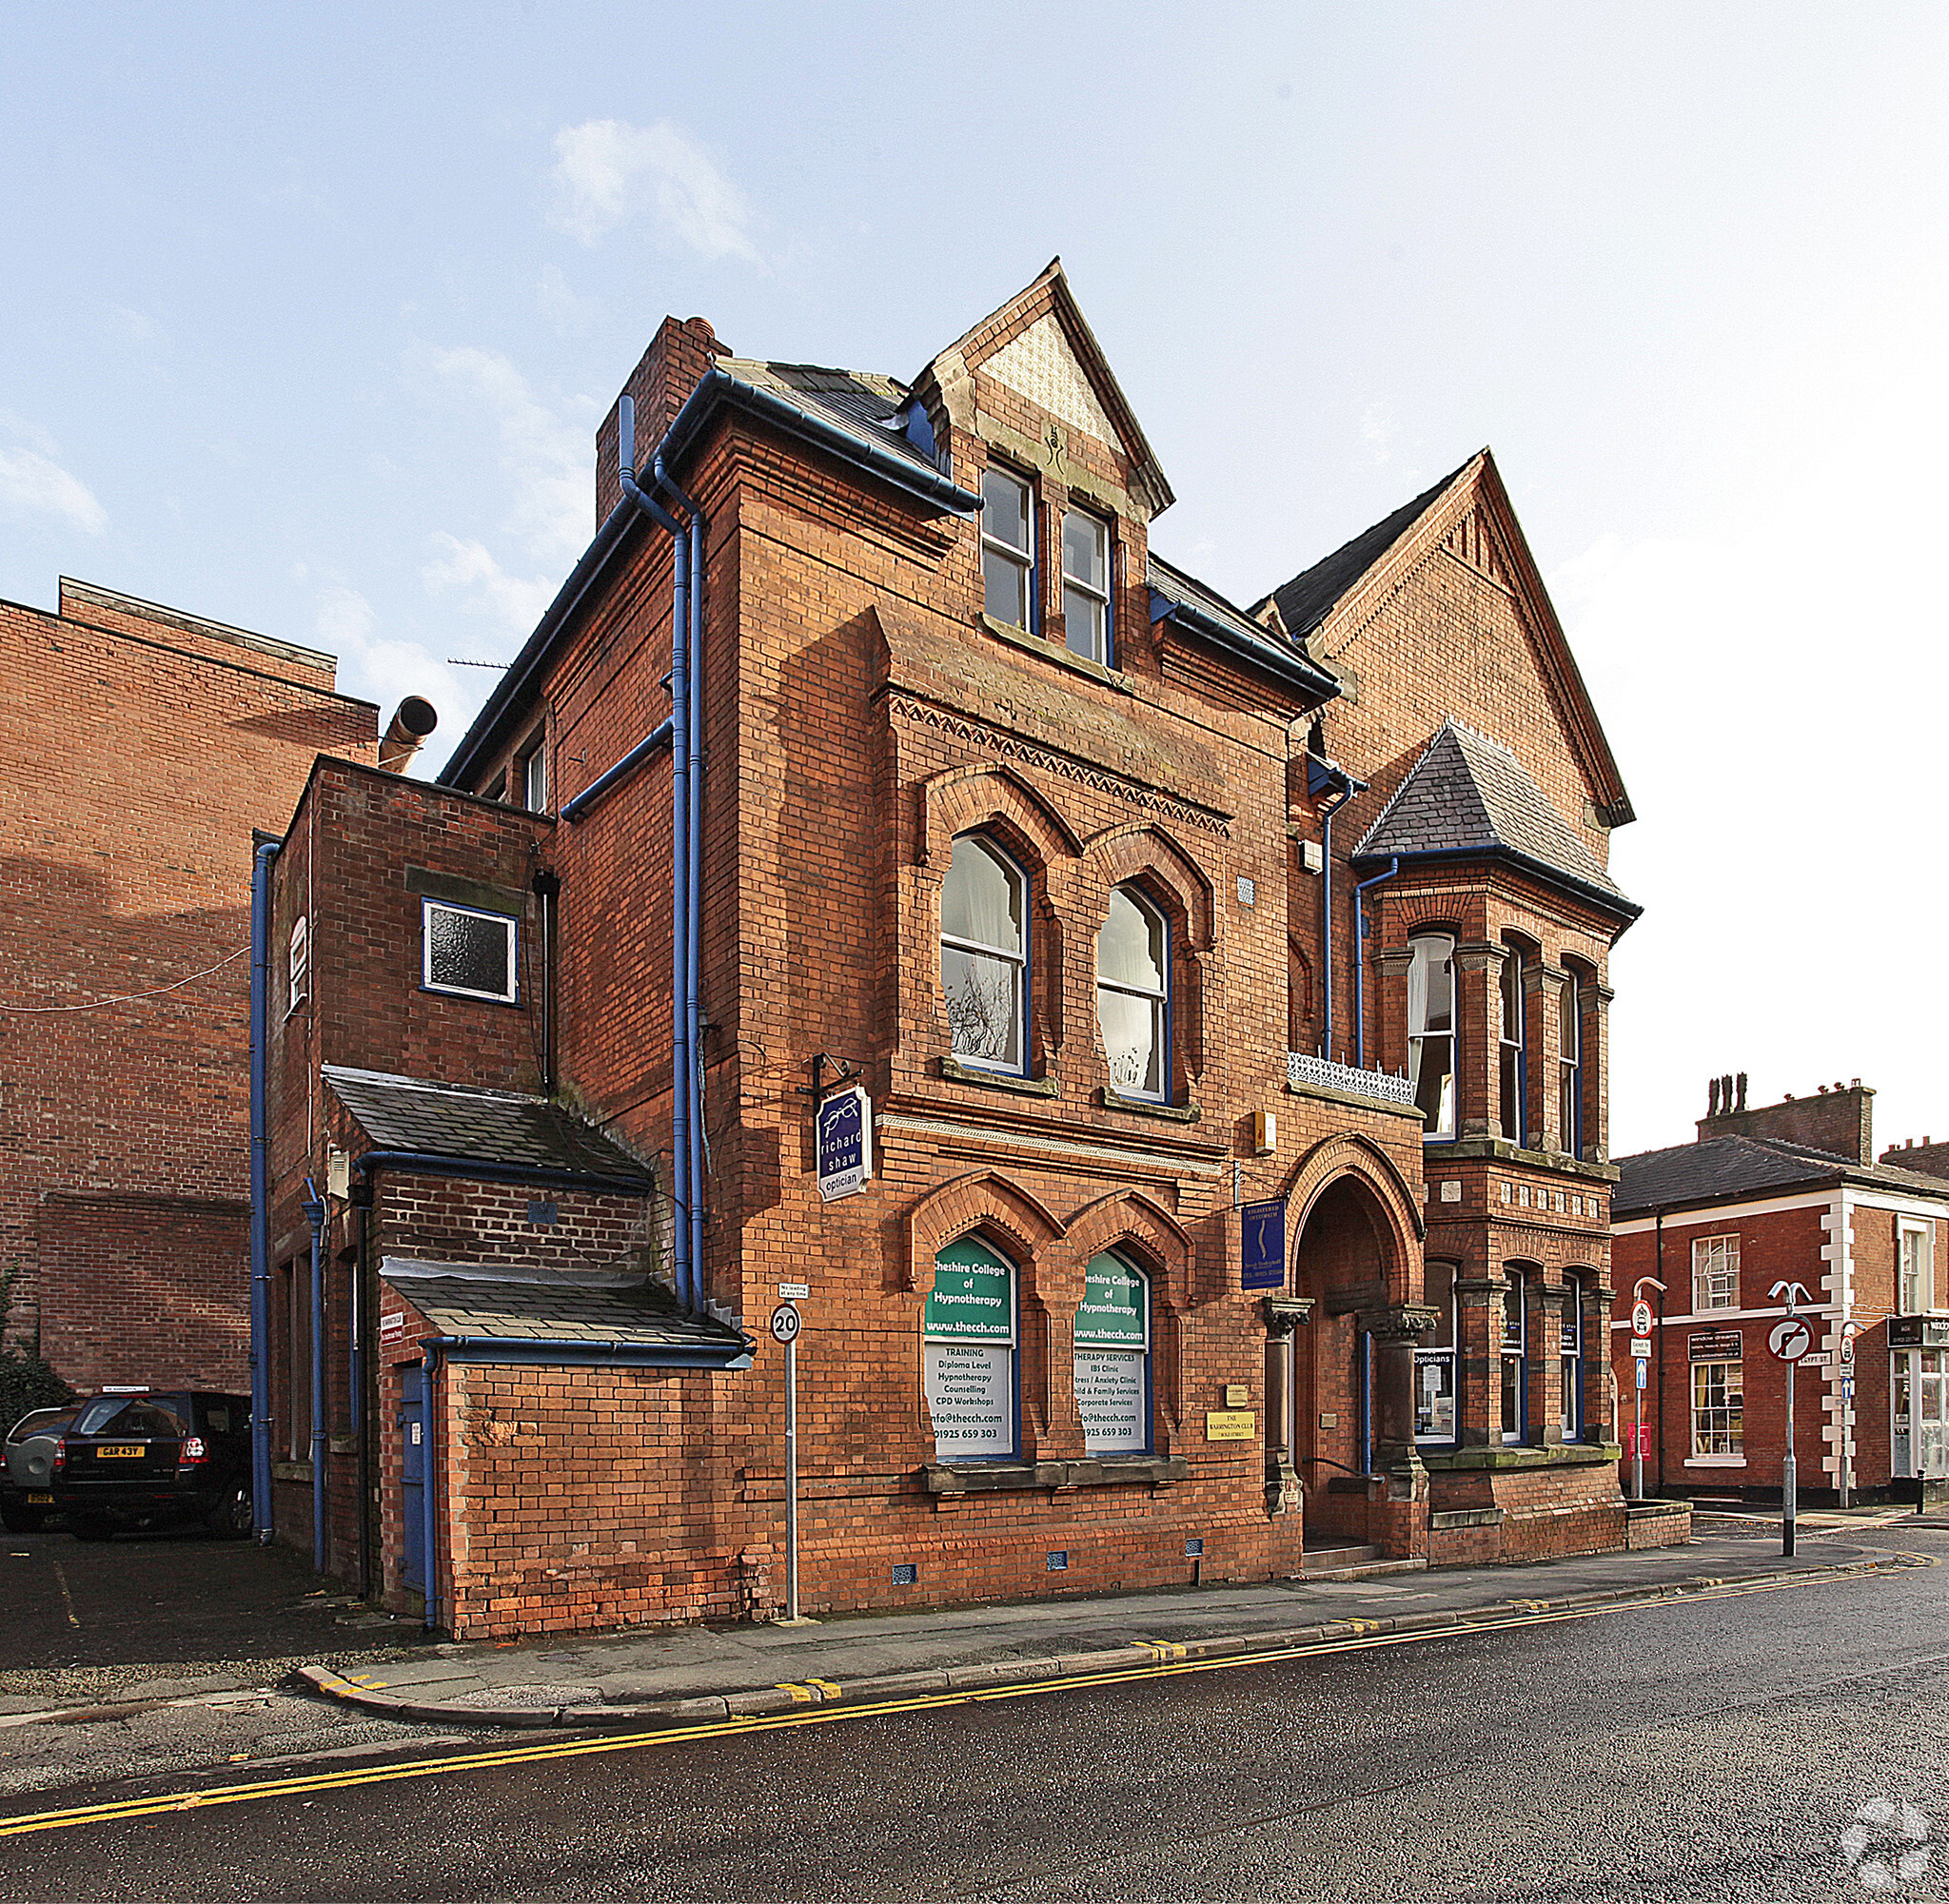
<point>1470,795</point>
<point>1727,1170</point>
<point>1050,296</point>
<point>511,1303</point>
<point>1339,592</point>
<point>504,1128</point>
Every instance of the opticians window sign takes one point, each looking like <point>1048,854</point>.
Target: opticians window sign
<point>1112,1355</point>
<point>968,1353</point>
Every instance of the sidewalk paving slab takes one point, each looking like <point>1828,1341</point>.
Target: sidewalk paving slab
<point>681,1676</point>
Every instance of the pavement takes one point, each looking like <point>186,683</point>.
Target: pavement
<point>668,1677</point>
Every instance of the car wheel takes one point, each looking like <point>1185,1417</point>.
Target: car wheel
<point>230,1519</point>
<point>19,1520</point>
<point>89,1528</point>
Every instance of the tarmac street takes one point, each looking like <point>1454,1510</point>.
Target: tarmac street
<point>1778,1736</point>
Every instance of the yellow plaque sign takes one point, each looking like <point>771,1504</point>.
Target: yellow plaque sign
<point>1237,1395</point>
<point>1231,1425</point>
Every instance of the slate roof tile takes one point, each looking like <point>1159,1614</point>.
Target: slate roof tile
<point>1720,1168</point>
<point>509,1302</point>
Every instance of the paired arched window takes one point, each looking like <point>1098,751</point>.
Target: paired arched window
<point>1431,1030</point>
<point>968,1353</point>
<point>984,955</point>
<point>1133,996</point>
<point>1112,1357</point>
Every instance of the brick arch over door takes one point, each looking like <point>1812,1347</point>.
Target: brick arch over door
<point>1351,1157</point>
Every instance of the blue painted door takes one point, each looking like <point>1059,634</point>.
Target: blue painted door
<point>412,1426</point>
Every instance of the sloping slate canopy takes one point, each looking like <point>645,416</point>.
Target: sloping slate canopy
<point>483,1127</point>
<point>506,1302</point>
<point>1720,1169</point>
<point>1174,593</point>
<point>1468,794</point>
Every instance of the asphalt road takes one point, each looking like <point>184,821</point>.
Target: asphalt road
<point>1719,1748</point>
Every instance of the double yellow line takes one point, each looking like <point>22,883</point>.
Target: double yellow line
<point>1169,1661</point>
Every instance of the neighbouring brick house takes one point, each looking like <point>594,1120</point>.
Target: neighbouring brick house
<point>1787,1193</point>
<point>1195,1245</point>
<point>139,746</point>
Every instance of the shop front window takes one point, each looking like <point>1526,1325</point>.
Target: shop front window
<point>1435,1363</point>
<point>1718,1410</point>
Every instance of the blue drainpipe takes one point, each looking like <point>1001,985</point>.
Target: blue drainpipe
<point>1346,784</point>
<point>260,1193</point>
<point>1360,959</point>
<point>313,1206</point>
<point>681,788</point>
<point>428,1521</point>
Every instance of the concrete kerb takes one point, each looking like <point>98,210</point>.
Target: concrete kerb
<point>1081,1667</point>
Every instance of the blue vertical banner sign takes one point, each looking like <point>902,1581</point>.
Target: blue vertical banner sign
<point>1262,1246</point>
<point>842,1127</point>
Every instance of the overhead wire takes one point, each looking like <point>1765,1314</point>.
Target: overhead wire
<point>129,997</point>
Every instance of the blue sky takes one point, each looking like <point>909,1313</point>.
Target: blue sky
<point>311,315</point>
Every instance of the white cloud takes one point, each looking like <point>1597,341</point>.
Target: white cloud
<point>1377,431</point>
<point>31,483</point>
<point>516,603</point>
<point>609,171</point>
<point>564,306</point>
<point>378,669</point>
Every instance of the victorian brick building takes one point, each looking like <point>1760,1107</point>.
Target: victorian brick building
<point>1227,987</point>
<point>1787,1193</point>
<point>138,747</point>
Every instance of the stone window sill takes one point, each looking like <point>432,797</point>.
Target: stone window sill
<point>985,1477</point>
<point>290,1470</point>
<point>1050,651</point>
<point>1714,1461</point>
<point>1144,1107</point>
<point>960,1073</point>
<point>1567,1454</point>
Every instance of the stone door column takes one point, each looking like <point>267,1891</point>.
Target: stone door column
<point>1397,1332</point>
<point>1285,1490</point>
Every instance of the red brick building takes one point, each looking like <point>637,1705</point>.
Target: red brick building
<point>871,741</point>
<point>139,746</point>
<point>1787,1193</point>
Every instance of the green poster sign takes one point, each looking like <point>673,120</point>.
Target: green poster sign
<point>973,1298</point>
<point>1114,1313</point>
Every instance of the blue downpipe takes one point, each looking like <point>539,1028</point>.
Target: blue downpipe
<point>1360,959</point>
<point>314,1214</point>
<point>428,1521</point>
<point>260,1193</point>
<point>1326,915</point>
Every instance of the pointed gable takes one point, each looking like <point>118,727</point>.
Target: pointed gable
<point>1468,515</point>
<point>1040,345</point>
<point>1470,795</point>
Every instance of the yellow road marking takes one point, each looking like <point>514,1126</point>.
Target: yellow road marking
<point>827,1688</point>
<point>803,1696</point>
<point>118,1810</point>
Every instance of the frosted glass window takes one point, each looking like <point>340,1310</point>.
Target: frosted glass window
<point>468,953</point>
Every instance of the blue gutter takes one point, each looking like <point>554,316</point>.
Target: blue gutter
<point>548,1351</point>
<point>1360,960</point>
<point>313,1206</point>
<point>651,743</point>
<point>261,1523</point>
<point>1323,773</point>
<point>1285,665</point>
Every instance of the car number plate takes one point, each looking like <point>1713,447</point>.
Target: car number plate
<point>40,1501</point>
<point>123,1452</point>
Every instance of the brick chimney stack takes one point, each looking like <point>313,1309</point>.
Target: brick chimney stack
<point>1838,1118</point>
<point>679,354</point>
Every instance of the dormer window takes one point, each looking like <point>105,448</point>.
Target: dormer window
<point>1008,548</point>
<point>1086,585</point>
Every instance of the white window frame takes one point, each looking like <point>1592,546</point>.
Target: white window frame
<point>1017,960</point>
<point>1095,644</point>
<point>1715,1262</point>
<point>1444,1129</point>
<point>430,983</point>
<point>1915,1283</point>
<point>298,962</point>
<point>1732,1434</point>
<point>531,769</point>
<point>1023,558</point>
<point>1159,1000</point>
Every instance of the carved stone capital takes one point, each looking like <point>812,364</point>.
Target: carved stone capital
<point>1402,1322</point>
<point>1284,1313</point>
<point>1393,961</point>
<point>1479,955</point>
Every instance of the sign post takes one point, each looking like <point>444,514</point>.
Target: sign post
<point>785,1329</point>
<point>1641,1350</point>
<point>1848,1331</point>
<point>1789,1341</point>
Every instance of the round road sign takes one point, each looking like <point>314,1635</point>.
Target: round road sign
<point>784,1323</point>
<point>1790,1340</point>
<point>1640,1319</point>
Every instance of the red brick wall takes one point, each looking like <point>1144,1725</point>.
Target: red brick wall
<point>133,767</point>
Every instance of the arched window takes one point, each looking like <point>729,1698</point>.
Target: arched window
<point>1570,1066</point>
<point>984,955</point>
<point>1113,1351</point>
<point>1514,1070</point>
<point>1132,996</point>
<point>1431,1030</point>
<point>1573,1357</point>
<point>968,1352</point>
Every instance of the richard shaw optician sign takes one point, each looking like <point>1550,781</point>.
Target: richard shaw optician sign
<point>968,1353</point>
<point>843,1127</point>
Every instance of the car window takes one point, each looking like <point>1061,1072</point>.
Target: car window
<point>117,1415</point>
<point>40,1421</point>
<point>216,1417</point>
<point>97,1414</point>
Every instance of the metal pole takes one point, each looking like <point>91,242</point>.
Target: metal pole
<point>1638,1460</point>
<point>791,1479</point>
<point>1789,1477</point>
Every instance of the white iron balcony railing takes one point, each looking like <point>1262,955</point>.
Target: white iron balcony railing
<point>1302,1068</point>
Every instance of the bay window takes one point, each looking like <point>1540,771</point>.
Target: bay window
<point>1431,1030</point>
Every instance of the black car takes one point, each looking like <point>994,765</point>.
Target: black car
<point>27,1480</point>
<point>150,1458</point>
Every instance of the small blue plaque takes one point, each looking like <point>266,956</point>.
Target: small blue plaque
<point>1262,1246</point>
